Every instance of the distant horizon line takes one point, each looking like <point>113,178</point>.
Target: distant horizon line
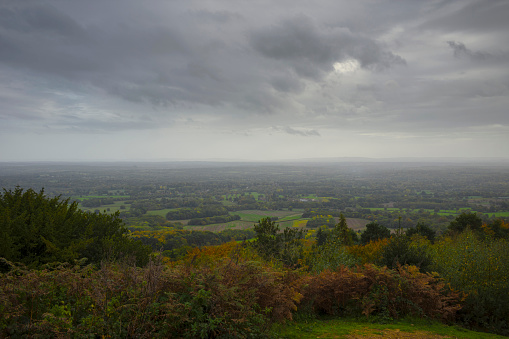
<point>303,160</point>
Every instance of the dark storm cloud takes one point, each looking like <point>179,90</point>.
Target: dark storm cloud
<point>183,61</point>
<point>39,37</point>
<point>175,63</point>
<point>311,52</point>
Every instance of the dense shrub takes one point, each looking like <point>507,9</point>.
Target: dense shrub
<point>498,229</point>
<point>370,252</point>
<point>216,291</point>
<point>272,245</point>
<point>330,256</point>
<point>402,250</point>
<point>331,253</point>
<point>480,268</point>
<point>232,297</point>
<point>381,292</point>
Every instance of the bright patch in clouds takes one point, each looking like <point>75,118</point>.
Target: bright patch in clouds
<point>347,66</point>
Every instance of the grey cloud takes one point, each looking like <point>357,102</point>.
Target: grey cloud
<point>37,36</point>
<point>129,62</point>
<point>231,60</point>
<point>260,101</point>
<point>372,56</point>
<point>32,17</point>
<point>442,104</point>
<point>460,50</point>
<point>216,16</point>
<point>165,64</point>
<point>312,51</point>
<point>294,39</point>
<point>287,84</point>
<point>101,126</point>
<point>468,16</point>
<point>305,132</point>
<point>174,64</point>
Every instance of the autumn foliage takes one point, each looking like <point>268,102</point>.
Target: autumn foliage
<point>374,291</point>
<point>231,297</point>
<point>370,252</point>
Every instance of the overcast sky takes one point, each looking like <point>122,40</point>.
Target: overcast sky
<point>253,80</point>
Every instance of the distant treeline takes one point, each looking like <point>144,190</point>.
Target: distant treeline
<point>152,204</point>
<point>197,212</point>
<point>155,221</point>
<point>321,220</point>
<point>213,220</point>
<point>97,202</point>
<point>313,213</point>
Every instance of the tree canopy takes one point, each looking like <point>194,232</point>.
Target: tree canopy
<point>36,230</point>
<point>464,221</point>
<point>374,231</point>
<point>272,244</point>
<point>422,229</point>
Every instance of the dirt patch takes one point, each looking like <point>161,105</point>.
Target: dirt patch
<point>357,224</point>
<point>373,333</point>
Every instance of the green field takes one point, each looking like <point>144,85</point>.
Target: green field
<point>500,214</point>
<point>286,219</point>
<point>249,218</point>
<point>291,217</point>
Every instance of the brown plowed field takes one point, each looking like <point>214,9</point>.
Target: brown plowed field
<point>356,223</point>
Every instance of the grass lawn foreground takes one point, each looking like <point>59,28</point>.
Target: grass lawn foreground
<point>351,328</point>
